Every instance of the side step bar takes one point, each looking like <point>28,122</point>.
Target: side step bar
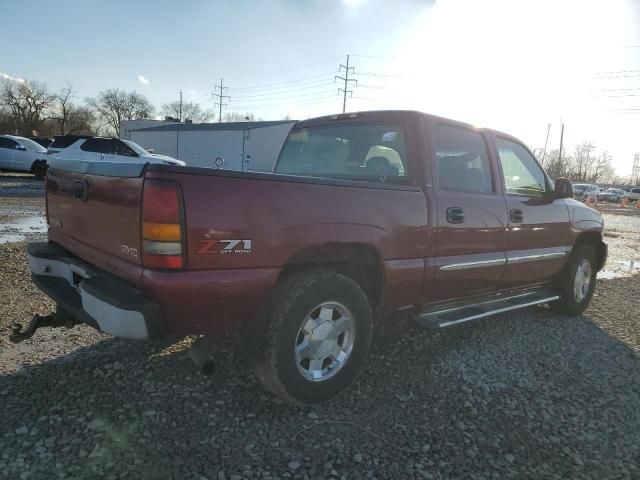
<point>453,315</point>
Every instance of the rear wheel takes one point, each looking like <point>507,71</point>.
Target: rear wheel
<point>39,169</point>
<point>318,336</point>
<point>577,282</point>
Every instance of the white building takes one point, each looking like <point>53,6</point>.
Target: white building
<point>215,145</point>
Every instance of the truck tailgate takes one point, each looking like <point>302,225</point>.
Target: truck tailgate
<point>95,211</point>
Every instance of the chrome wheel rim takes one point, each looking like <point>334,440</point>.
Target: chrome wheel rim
<point>582,281</point>
<point>324,341</point>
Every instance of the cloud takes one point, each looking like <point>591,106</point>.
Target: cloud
<point>4,76</point>
<point>143,80</point>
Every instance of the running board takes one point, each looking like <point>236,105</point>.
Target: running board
<point>453,315</point>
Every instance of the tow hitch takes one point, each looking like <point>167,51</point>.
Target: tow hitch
<point>59,318</point>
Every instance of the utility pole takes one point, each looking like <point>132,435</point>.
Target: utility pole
<point>561,138</point>
<point>544,152</point>
<point>346,80</point>
<point>220,96</point>
<point>180,108</point>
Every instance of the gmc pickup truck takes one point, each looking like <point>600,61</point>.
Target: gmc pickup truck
<point>365,214</point>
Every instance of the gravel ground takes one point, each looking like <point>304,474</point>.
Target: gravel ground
<point>622,234</point>
<point>524,395</point>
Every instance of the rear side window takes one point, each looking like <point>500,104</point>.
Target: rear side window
<point>347,151</point>
<point>100,145</point>
<point>522,174</point>
<point>463,162</point>
<point>7,143</point>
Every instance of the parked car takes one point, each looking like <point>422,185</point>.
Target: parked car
<point>366,214</point>
<point>634,194</point>
<point>42,141</point>
<point>19,154</point>
<point>583,190</point>
<point>616,195</point>
<point>106,149</point>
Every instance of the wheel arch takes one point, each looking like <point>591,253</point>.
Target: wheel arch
<point>594,240</point>
<point>359,261</point>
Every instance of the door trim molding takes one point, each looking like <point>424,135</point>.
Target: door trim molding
<point>513,257</point>
<point>475,264</point>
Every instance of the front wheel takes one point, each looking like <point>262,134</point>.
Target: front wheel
<point>577,282</point>
<point>318,337</point>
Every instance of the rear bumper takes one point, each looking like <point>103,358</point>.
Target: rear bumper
<point>93,296</point>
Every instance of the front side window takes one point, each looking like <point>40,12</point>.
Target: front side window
<point>347,151</point>
<point>522,174</point>
<point>125,150</point>
<point>31,145</point>
<point>463,162</point>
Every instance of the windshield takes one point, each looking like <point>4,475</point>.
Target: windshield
<point>136,148</point>
<point>579,187</point>
<point>31,145</point>
<point>347,151</point>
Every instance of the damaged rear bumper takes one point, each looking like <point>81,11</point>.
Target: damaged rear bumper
<point>93,296</point>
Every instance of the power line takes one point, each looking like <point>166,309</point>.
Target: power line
<point>346,79</point>
<point>317,96</point>
<point>285,97</point>
<point>272,86</point>
<point>276,105</point>
<point>285,92</point>
<point>221,96</point>
<point>618,71</point>
<point>616,89</point>
<point>301,67</point>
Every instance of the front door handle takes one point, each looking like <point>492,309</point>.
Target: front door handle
<point>516,215</point>
<point>455,215</point>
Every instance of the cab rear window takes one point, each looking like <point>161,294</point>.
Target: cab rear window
<point>346,151</point>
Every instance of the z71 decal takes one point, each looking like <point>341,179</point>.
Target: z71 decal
<point>241,247</point>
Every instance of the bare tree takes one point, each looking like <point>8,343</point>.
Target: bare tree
<point>114,105</point>
<point>190,110</point>
<point>601,170</point>
<point>27,103</point>
<point>62,100</point>
<point>239,117</point>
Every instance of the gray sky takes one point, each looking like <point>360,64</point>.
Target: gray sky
<point>509,64</point>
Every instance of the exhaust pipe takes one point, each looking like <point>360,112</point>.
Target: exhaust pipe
<point>200,353</point>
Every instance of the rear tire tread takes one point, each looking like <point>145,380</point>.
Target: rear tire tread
<point>289,291</point>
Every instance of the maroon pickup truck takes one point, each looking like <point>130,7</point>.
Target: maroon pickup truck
<point>365,214</point>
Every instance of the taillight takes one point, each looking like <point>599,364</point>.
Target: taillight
<point>162,225</point>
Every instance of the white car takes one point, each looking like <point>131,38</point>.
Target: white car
<point>634,194</point>
<point>582,191</point>
<point>19,154</point>
<point>105,149</point>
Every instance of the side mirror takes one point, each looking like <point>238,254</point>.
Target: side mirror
<point>563,189</point>
<point>150,150</point>
<point>20,147</point>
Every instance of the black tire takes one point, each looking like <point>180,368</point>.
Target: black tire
<point>39,169</point>
<point>295,299</point>
<point>568,303</point>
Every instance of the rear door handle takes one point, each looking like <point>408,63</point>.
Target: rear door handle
<point>81,190</point>
<point>455,215</point>
<point>515,215</point>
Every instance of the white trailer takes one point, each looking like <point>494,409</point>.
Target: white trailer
<point>233,146</point>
